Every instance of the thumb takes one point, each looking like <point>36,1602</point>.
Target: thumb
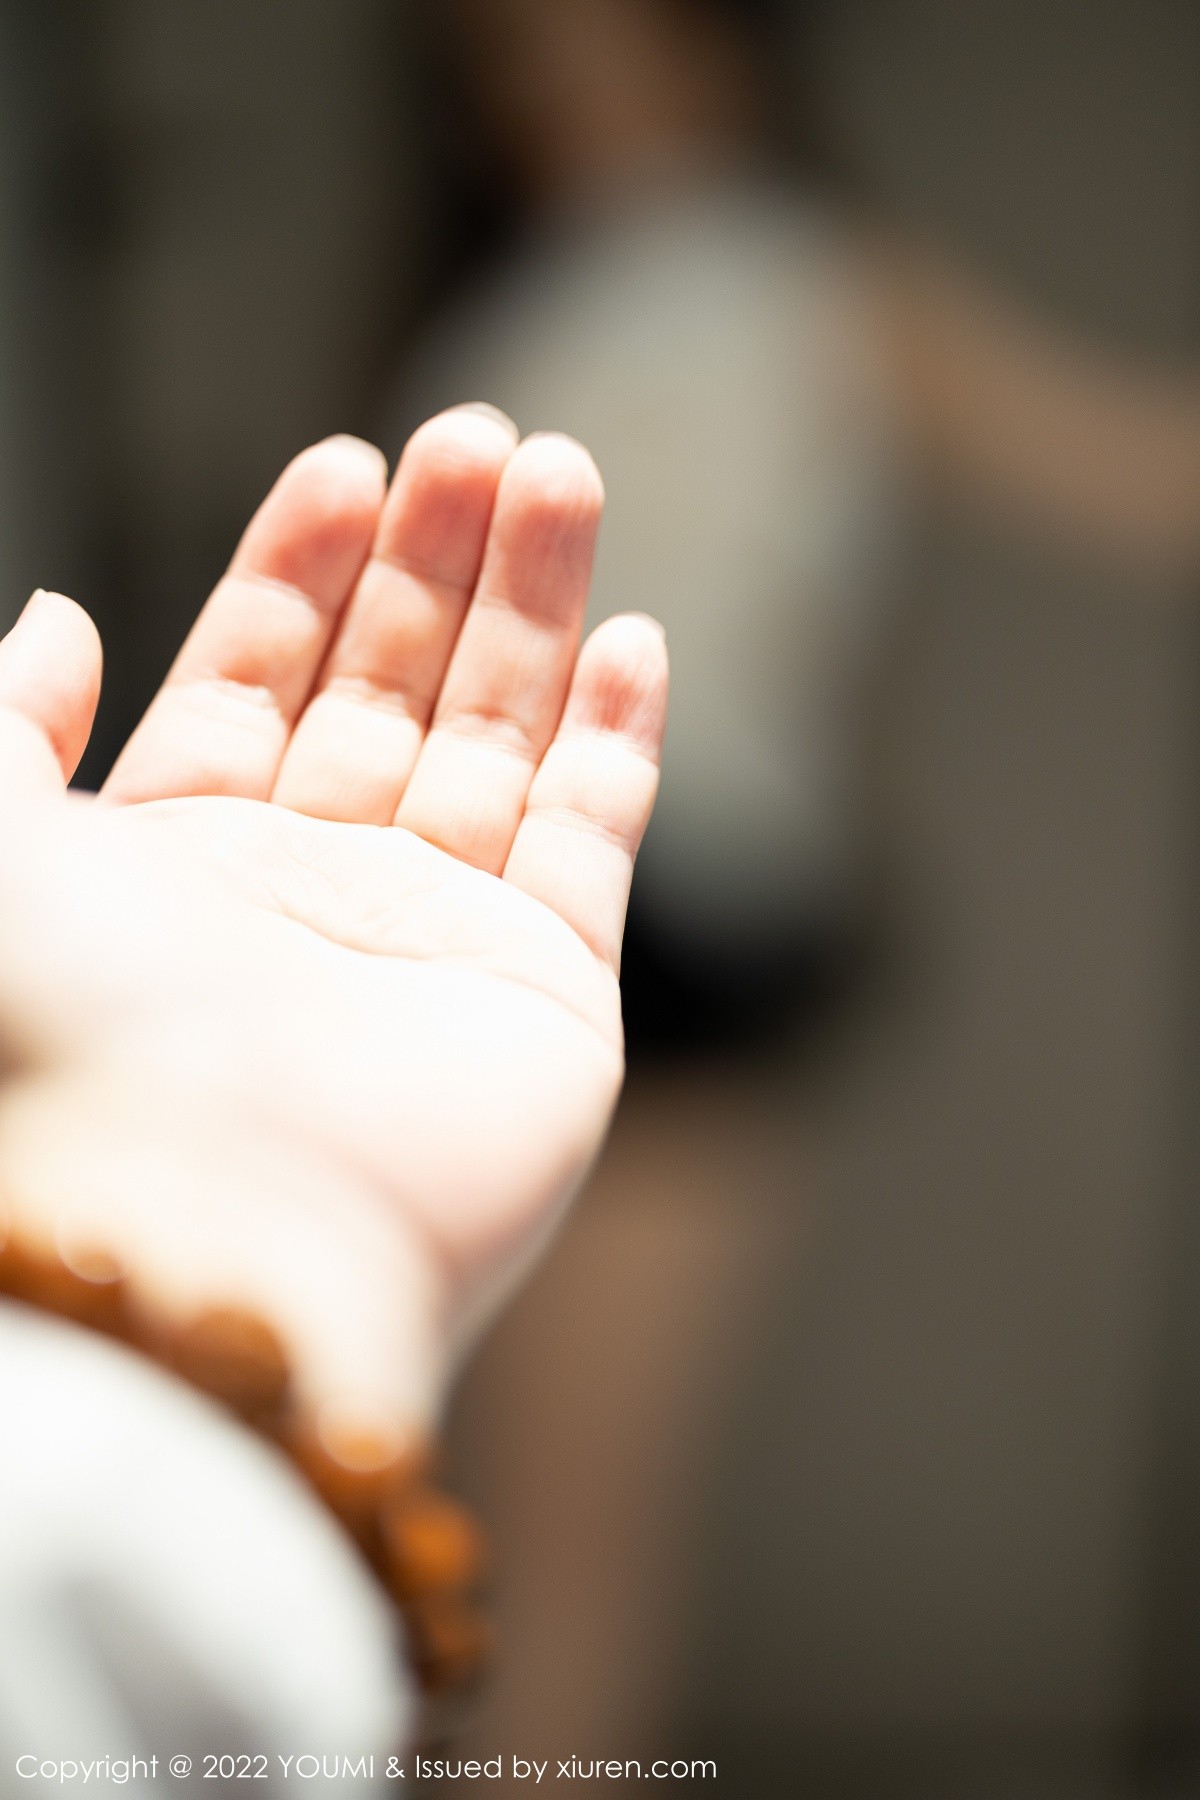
<point>50,666</point>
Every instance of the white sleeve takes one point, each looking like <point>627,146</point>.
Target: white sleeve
<point>168,1585</point>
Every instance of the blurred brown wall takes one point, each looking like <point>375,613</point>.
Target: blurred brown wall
<point>958,1412</point>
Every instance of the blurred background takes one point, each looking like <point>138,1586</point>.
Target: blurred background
<point>851,1432</point>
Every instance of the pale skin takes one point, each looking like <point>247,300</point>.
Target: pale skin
<point>314,1010</point>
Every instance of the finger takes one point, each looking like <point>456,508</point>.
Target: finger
<point>221,721</point>
<point>50,665</point>
<point>592,796</point>
<point>508,677</point>
<point>354,748</point>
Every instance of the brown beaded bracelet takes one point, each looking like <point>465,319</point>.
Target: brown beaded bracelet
<point>426,1548</point>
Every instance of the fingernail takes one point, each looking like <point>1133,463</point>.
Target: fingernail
<point>360,444</point>
<point>561,444</point>
<point>29,606</point>
<point>489,412</point>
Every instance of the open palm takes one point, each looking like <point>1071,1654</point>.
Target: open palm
<point>340,1031</point>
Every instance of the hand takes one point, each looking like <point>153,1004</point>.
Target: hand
<point>316,1006</point>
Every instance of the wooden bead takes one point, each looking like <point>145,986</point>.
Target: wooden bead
<point>83,1281</point>
<point>235,1356</point>
<point>357,1468</point>
<point>427,1546</point>
<point>450,1641</point>
<point>431,1545</point>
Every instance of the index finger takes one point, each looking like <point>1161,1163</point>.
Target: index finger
<point>221,721</point>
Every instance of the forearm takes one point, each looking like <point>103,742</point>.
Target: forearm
<point>1007,414</point>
